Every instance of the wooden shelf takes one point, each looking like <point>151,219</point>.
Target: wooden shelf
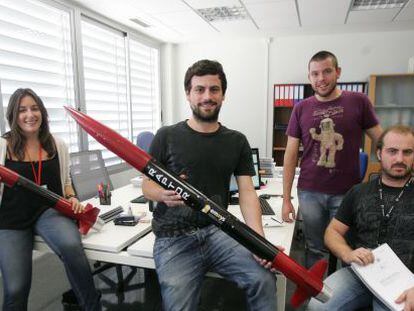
<point>393,107</point>
<point>392,96</point>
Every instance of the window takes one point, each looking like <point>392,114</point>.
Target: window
<point>104,63</point>
<point>35,52</point>
<point>144,88</point>
<point>119,84</point>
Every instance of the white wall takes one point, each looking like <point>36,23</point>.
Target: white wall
<point>359,54</point>
<point>251,73</point>
<point>245,65</point>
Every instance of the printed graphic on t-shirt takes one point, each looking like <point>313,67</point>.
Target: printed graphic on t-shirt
<point>330,141</point>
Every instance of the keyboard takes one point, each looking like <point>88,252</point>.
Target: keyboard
<point>265,207</point>
<point>108,216</point>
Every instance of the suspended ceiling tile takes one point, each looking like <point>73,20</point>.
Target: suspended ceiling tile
<point>371,16</point>
<point>263,1</point>
<point>407,14</point>
<point>281,14</point>
<point>238,26</point>
<point>180,18</point>
<point>156,6</point>
<point>323,12</point>
<point>200,29</point>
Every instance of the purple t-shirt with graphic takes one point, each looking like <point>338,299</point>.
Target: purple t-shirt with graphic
<point>331,133</point>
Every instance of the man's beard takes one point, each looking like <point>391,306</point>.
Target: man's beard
<point>327,94</point>
<point>210,117</point>
<point>390,175</point>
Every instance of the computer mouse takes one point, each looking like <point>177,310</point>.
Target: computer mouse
<point>265,196</point>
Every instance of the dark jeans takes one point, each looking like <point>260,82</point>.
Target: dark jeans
<point>182,262</point>
<point>62,236</point>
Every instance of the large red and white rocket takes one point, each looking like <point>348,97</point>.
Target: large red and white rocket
<point>86,220</point>
<point>309,282</point>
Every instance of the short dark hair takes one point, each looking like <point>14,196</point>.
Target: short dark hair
<point>398,128</point>
<point>322,55</point>
<point>202,68</point>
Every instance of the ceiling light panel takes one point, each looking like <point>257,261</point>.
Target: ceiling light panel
<point>223,13</point>
<point>359,5</point>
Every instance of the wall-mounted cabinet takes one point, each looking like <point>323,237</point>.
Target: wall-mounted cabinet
<point>284,99</point>
<point>393,99</point>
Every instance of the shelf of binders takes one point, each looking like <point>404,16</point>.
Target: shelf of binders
<point>285,96</point>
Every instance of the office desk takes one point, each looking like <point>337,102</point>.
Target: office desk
<point>109,244</point>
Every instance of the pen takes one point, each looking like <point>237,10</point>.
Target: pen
<point>276,220</point>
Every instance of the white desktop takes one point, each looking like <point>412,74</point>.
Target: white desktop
<point>133,245</point>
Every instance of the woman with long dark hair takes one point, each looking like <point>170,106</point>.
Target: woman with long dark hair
<point>33,152</point>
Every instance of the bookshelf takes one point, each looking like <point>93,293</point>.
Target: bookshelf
<point>392,96</point>
<point>285,96</point>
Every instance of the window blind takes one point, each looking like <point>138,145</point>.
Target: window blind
<point>145,102</point>
<point>35,52</point>
<point>104,63</point>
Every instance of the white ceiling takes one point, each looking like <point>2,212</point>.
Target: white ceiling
<point>177,21</point>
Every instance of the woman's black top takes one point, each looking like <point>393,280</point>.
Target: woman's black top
<point>19,207</point>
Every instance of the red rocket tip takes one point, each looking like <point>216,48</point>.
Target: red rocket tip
<point>114,142</point>
<point>301,294</point>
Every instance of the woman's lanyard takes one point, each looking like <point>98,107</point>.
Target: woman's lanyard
<point>396,200</point>
<point>38,177</point>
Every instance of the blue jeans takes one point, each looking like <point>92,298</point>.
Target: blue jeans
<point>182,262</point>
<point>62,236</point>
<point>317,210</point>
<point>349,293</point>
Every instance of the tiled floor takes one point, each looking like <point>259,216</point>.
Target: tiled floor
<point>141,292</point>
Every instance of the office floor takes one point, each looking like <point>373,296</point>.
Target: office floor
<point>142,291</point>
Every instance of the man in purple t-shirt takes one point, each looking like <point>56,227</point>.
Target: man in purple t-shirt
<point>330,126</point>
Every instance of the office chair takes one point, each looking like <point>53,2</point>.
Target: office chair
<point>87,170</point>
<point>373,176</point>
<point>363,164</point>
<point>144,140</point>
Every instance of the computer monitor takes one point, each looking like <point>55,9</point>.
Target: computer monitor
<point>233,189</point>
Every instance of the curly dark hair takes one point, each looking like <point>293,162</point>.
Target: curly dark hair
<point>202,68</point>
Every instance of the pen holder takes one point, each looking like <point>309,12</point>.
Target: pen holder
<point>105,200</point>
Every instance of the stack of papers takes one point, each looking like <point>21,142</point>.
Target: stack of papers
<point>387,277</point>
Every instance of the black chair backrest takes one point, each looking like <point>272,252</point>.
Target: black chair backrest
<point>87,170</point>
<point>373,176</point>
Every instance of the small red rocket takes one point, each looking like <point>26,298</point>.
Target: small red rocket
<point>309,282</point>
<point>87,219</point>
